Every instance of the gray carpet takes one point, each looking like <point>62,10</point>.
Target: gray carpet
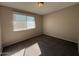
<point>42,45</point>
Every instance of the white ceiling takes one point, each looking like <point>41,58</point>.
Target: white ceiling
<point>32,6</point>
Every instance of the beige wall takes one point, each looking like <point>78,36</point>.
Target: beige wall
<point>0,36</point>
<point>62,24</point>
<point>78,27</point>
<point>0,39</point>
<point>9,36</point>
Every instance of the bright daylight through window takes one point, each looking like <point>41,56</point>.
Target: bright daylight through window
<point>23,22</point>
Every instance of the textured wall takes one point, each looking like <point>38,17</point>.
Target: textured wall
<point>0,40</point>
<point>0,35</point>
<point>10,36</point>
<point>78,27</point>
<point>62,24</point>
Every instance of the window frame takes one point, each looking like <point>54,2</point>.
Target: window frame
<point>25,14</point>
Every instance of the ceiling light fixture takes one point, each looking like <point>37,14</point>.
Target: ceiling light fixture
<point>40,4</point>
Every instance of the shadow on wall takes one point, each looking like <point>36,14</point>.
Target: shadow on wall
<point>41,46</point>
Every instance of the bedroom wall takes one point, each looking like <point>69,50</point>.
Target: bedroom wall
<point>0,36</point>
<point>62,24</point>
<point>10,36</point>
<point>0,40</point>
<point>78,27</point>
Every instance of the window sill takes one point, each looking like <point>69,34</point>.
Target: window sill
<point>23,29</point>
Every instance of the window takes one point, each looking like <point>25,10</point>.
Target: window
<point>23,22</point>
<point>30,22</point>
